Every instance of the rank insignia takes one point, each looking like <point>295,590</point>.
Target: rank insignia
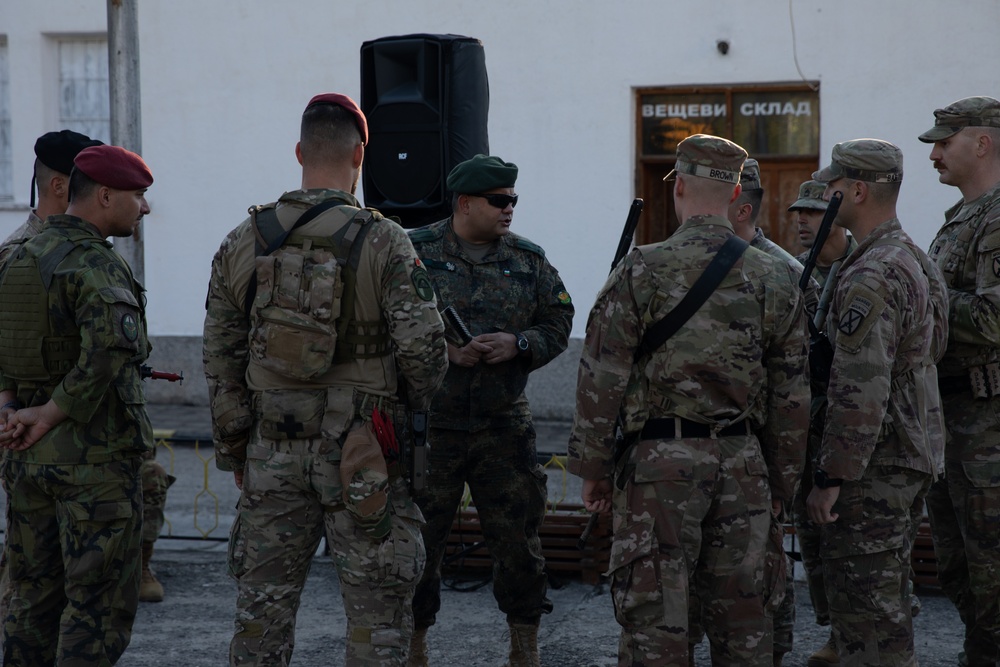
<point>130,328</point>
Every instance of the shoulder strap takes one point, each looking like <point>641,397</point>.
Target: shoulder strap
<point>661,330</point>
<point>271,235</point>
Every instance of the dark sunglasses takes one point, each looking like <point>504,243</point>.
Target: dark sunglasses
<point>499,201</point>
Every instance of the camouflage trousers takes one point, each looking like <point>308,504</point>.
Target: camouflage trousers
<point>809,536</point>
<point>155,482</point>
<point>509,491</point>
<point>866,566</point>
<point>73,562</point>
<point>292,495</point>
<point>695,521</point>
<point>964,510</point>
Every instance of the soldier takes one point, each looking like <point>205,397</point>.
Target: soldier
<point>715,425</point>
<point>963,507</point>
<point>742,215</point>
<point>519,316</point>
<point>313,307</point>
<point>809,209</point>
<point>72,341</point>
<point>54,155</point>
<point>884,438</point>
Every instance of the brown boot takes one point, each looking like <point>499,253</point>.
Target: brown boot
<point>418,648</point>
<point>150,590</point>
<point>523,646</point>
<point>826,656</point>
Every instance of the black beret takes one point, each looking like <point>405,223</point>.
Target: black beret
<point>57,150</point>
<point>482,173</point>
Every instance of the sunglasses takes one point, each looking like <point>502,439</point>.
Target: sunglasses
<point>499,201</point>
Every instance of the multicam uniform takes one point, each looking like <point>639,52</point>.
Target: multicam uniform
<point>694,511</point>
<point>884,437</point>
<point>965,509</point>
<point>287,430</point>
<point>73,519</point>
<point>481,429</point>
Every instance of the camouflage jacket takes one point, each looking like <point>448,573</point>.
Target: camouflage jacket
<point>967,248</point>
<point>888,327</point>
<point>765,244</point>
<point>389,287</point>
<point>821,273</point>
<point>33,227</point>
<point>513,289</point>
<point>93,297</point>
<point>741,355</point>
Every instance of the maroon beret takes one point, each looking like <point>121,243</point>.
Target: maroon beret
<point>347,103</point>
<point>114,167</point>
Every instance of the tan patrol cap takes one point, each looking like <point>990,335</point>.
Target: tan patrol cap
<point>871,160</point>
<point>750,176</point>
<point>966,112</point>
<point>708,156</point>
<point>811,197</point>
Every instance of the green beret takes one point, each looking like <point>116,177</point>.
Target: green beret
<point>481,173</point>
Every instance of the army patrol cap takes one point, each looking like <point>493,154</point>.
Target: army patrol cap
<point>57,150</point>
<point>348,104</point>
<point>811,197</point>
<point>114,167</point>
<point>750,176</point>
<point>966,112</point>
<point>481,173</point>
<point>870,160</point>
<point>708,156</point>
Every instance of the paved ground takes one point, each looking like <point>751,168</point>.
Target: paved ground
<point>192,627</point>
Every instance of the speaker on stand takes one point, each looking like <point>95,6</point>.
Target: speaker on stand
<point>427,100</point>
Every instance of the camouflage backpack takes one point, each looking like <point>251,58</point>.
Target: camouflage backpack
<point>300,302</point>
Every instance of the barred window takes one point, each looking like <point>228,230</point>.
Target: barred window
<point>84,104</point>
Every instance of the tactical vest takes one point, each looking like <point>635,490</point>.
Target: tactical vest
<point>301,305</point>
<point>28,350</point>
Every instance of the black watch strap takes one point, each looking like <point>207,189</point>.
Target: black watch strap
<point>823,481</point>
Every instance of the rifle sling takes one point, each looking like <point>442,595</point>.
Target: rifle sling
<point>661,331</point>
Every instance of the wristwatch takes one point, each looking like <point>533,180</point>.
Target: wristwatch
<point>823,481</point>
<point>522,343</point>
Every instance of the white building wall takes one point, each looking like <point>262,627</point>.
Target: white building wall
<point>224,83</point>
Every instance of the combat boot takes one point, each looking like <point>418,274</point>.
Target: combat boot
<point>523,646</point>
<point>826,656</point>
<point>418,648</point>
<point>150,590</point>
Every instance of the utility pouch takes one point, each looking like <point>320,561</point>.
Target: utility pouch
<point>365,481</point>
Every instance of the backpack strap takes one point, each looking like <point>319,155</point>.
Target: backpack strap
<point>661,330</point>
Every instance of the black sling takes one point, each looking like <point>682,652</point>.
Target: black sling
<point>661,330</point>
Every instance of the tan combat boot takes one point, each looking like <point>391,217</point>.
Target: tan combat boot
<point>418,648</point>
<point>827,655</point>
<point>523,646</point>
<point>150,590</point>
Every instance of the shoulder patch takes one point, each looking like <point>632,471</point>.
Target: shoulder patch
<point>421,281</point>
<point>861,311</point>
<point>525,244</point>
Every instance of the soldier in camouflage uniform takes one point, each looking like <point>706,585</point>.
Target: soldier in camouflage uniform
<point>75,425</point>
<point>716,424</point>
<point>519,315</point>
<point>809,209</point>
<point>314,306</point>
<point>743,214</point>
<point>964,507</point>
<point>884,436</point>
<point>54,154</point>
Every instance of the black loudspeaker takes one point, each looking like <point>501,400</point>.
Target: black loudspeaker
<point>427,101</point>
